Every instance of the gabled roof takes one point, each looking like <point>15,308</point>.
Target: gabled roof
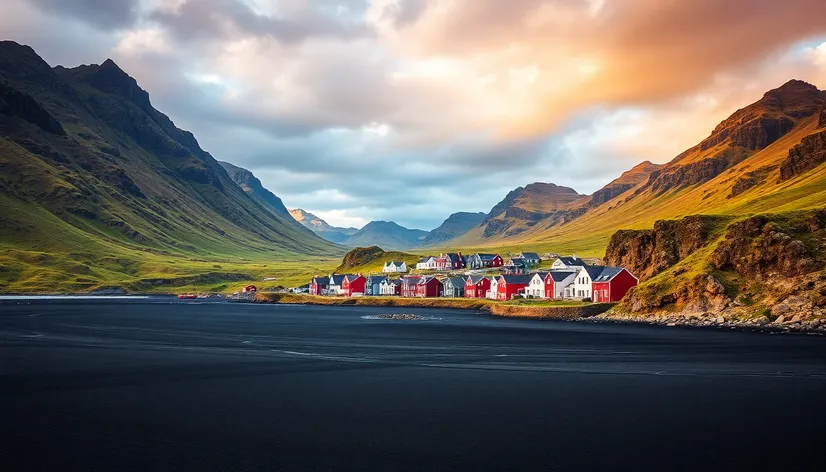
<point>321,280</point>
<point>455,281</point>
<point>475,279</point>
<point>336,279</point>
<point>373,278</point>
<point>487,257</point>
<point>427,279</point>
<point>351,277</point>
<point>593,271</point>
<point>559,275</point>
<point>425,259</point>
<point>571,261</point>
<point>393,263</point>
<point>517,279</point>
<point>411,280</point>
<point>530,255</point>
<point>541,275</point>
<point>608,273</point>
<point>516,261</point>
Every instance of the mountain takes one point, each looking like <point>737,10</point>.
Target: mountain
<point>766,157</point>
<point>98,187</point>
<point>454,226</point>
<point>386,234</point>
<point>320,227</point>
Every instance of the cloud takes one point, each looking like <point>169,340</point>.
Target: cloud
<point>410,110</point>
<point>106,14</point>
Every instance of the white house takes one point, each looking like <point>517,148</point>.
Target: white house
<point>335,284</point>
<point>388,287</point>
<point>560,282</point>
<point>426,263</point>
<point>581,288</point>
<point>536,288</point>
<point>568,263</point>
<point>394,267</point>
<point>494,287</point>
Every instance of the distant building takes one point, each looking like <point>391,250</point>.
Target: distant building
<point>515,266</point>
<point>390,287</point>
<point>373,285</point>
<point>509,285</point>
<point>353,285</point>
<point>450,261</point>
<point>409,284</point>
<point>453,287</point>
<point>556,283</point>
<point>429,287</point>
<point>477,286</point>
<point>568,263</point>
<point>612,284</point>
<point>530,258</point>
<point>319,285</point>
<point>484,261</point>
<point>426,263</point>
<point>394,267</point>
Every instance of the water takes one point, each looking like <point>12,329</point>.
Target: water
<point>158,384</point>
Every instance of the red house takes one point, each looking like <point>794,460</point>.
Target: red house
<point>429,287</point>
<point>612,284</point>
<point>409,286</point>
<point>509,285</point>
<point>451,261</point>
<point>319,285</point>
<point>556,281</point>
<point>477,286</point>
<point>353,285</point>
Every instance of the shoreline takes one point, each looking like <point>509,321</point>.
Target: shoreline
<point>560,313</point>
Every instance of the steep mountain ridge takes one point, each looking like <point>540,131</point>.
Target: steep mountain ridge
<point>454,226</point>
<point>99,181</point>
<point>767,156</point>
<point>320,227</point>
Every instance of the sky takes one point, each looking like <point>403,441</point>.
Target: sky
<point>410,110</point>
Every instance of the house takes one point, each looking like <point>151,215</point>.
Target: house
<point>319,285</point>
<point>334,287</point>
<point>568,263</point>
<point>409,286</point>
<point>249,289</point>
<point>391,287</point>
<point>353,285</point>
<point>515,266</point>
<point>556,282</point>
<point>454,287</point>
<point>451,261</point>
<point>485,261</point>
<point>429,287</point>
<point>394,267</point>
<point>494,288</point>
<point>426,263</point>
<point>302,289</point>
<point>612,284</point>
<point>536,288</point>
<point>509,285</point>
<point>581,288</point>
<point>531,258</point>
<point>373,285</point>
<point>477,286</point>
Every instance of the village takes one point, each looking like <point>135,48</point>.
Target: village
<point>488,276</point>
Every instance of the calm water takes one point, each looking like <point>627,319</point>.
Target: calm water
<point>157,384</point>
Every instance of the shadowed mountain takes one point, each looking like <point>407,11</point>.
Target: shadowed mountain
<point>386,234</point>
<point>320,227</point>
<point>454,226</point>
<point>99,183</point>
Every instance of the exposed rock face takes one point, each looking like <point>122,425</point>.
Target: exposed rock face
<point>15,102</point>
<point>756,248</point>
<point>810,153</point>
<point>646,253</point>
<point>701,294</point>
<point>749,180</point>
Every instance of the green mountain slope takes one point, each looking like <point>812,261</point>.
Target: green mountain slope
<point>767,157</point>
<point>96,180</point>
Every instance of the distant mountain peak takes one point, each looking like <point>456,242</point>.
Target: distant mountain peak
<point>321,227</point>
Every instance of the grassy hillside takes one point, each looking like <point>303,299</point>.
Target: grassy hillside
<point>99,189</point>
<point>734,172</point>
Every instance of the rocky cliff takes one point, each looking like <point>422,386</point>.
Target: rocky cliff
<point>763,268</point>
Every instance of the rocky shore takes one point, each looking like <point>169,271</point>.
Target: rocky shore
<point>795,323</point>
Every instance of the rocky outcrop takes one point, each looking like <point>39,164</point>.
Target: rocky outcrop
<point>16,103</point>
<point>647,253</point>
<point>699,294</point>
<point>360,256</point>
<point>756,248</point>
<point>809,154</point>
<point>749,180</point>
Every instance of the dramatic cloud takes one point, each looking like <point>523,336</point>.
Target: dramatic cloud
<point>409,110</point>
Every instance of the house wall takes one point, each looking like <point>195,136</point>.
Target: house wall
<point>536,288</point>
<point>582,285</point>
<point>494,289</point>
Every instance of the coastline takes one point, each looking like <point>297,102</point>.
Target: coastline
<point>594,313</point>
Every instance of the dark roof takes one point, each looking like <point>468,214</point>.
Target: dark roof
<point>425,259</point>
<point>517,279</point>
<point>456,281</point>
<point>542,275</point>
<point>411,280</point>
<point>395,263</point>
<point>336,279</point>
<point>559,276</point>
<point>352,277</point>
<point>321,280</point>
<point>608,273</point>
<point>427,279</point>
<point>379,277</point>
<point>516,261</point>
<point>571,261</point>
<point>487,257</point>
<point>530,255</point>
<point>594,271</point>
<point>475,279</point>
